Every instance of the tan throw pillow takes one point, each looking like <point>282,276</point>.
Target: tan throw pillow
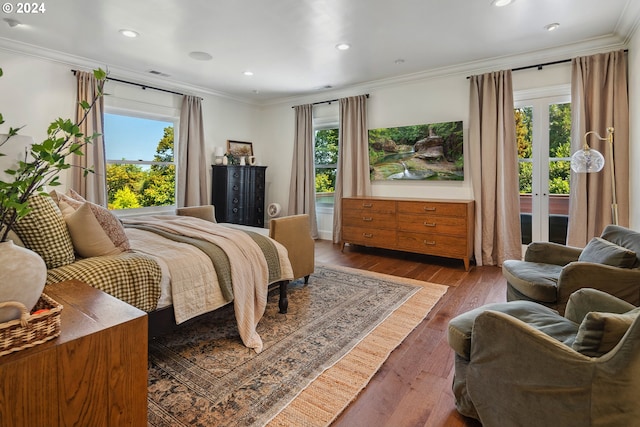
<point>88,237</point>
<point>44,231</point>
<point>600,332</point>
<point>602,251</point>
<point>107,220</point>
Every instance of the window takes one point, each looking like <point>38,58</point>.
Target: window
<point>326,163</point>
<point>543,129</point>
<point>141,171</point>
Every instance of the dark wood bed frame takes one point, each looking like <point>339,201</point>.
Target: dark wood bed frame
<point>163,320</point>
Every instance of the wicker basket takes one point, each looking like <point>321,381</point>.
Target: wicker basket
<point>30,330</point>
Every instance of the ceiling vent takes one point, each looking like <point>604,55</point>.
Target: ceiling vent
<point>158,73</point>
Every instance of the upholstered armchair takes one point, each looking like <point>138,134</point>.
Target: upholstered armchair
<point>522,364</point>
<point>550,272</point>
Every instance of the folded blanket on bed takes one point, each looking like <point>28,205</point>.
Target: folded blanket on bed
<point>250,275</point>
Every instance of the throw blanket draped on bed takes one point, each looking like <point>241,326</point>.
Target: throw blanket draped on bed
<point>248,265</point>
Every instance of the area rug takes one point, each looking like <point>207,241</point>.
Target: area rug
<point>339,330</point>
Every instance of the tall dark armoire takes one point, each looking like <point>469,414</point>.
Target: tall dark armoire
<point>237,192</point>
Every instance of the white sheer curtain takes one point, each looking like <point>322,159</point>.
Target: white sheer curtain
<point>352,176</point>
<point>302,189</point>
<point>494,168</point>
<point>599,99</point>
<point>192,169</point>
<point>93,186</point>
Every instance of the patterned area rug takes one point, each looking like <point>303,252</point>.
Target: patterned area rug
<point>202,375</point>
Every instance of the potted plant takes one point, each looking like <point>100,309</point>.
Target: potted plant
<point>40,167</point>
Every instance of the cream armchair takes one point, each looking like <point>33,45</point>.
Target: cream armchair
<point>550,272</point>
<point>522,364</point>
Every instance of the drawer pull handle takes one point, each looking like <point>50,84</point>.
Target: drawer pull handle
<point>367,235</point>
<point>367,205</point>
<point>367,219</point>
<point>429,224</point>
<point>428,209</point>
<point>429,242</point>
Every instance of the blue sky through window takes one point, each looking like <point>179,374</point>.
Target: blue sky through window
<point>132,138</point>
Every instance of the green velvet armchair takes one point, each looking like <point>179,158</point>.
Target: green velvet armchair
<point>522,364</point>
<point>550,272</point>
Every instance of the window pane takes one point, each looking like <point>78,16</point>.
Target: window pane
<point>140,169</point>
<point>524,129</point>
<point>326,158</point>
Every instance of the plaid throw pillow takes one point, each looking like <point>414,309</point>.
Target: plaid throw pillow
<point>44,231</point>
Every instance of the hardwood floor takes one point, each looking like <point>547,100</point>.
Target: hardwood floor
<point>413,387</point>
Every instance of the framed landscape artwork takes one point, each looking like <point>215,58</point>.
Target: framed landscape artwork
<point>426,152</point>
<point>239,148</point>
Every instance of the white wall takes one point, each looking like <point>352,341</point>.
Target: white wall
<point>35,92</point>
<point>634,132</point>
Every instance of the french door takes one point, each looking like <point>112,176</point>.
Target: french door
<point>543,127</point>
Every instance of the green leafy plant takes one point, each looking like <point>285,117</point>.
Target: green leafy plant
<point>42,162</point>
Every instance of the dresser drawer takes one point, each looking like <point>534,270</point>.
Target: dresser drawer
<point>455,226</point>
<point>368,205</point>
<point>369,219</point>
<point>433,244</point>
<point>433,208</point>
<point>369,237</point>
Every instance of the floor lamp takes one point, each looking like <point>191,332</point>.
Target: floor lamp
<point>589,160</point>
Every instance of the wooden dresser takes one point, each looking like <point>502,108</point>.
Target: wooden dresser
<point>93,374</point>
<point>433,227</point>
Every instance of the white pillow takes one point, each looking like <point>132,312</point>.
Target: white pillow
<point>88,237</point>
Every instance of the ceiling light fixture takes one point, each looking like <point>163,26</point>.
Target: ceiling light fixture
<point>552,27</point>
<point>200,56</point>
<point>343,46</point>
<point>248,73</point>
<point>501,3</point>
<point>129,33</point>
<point>12,22</point>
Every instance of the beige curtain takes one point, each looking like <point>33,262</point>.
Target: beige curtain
<point>302,189</point>
<point>494,169</point>
<point>192,169</point>
<point>92,187</point>
<point>599,99</point>
<point>352,176</point>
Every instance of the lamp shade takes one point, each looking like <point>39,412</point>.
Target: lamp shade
<point>587,161</point>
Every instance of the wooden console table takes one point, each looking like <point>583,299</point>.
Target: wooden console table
<point>93,374</point>
<point>433,227</point>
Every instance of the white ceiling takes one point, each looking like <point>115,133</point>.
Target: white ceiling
<point>289,45</point>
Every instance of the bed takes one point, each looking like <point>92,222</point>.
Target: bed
<point>185,266</point>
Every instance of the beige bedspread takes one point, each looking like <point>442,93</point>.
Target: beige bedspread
<point>249,271</point>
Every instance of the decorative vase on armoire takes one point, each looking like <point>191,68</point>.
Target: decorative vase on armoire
<point>23,275</point>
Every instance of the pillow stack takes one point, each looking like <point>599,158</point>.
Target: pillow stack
<point>94,230</point>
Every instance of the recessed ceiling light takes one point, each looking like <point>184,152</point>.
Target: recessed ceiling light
<point>200,56</point>
<point>129,33</point>
<point>248,73</point>
<point>500,3</point>
<point>343,46</point>
<point>552,27</point>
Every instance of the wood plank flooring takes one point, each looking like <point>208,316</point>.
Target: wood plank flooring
<point>413,387</point>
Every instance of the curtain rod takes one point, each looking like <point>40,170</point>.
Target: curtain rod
<point>143,86</point>
<point>539,66</point>
<point>329,101</point>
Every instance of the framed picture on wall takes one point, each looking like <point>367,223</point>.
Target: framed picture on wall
<point>239,148</point>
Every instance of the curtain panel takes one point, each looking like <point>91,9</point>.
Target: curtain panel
<point>92,187</point>
<point>494,169</point>
<point>599,99</point>
<point>352,176</point>
<point>192,168</point>
<point>302,187</point>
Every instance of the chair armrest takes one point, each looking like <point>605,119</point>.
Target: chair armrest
<point>623,283</point>
<point>516,372</point>
<point>206,212</point>
<point>585,300</point>
<point>551,253</point>
<point>294,233</point>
